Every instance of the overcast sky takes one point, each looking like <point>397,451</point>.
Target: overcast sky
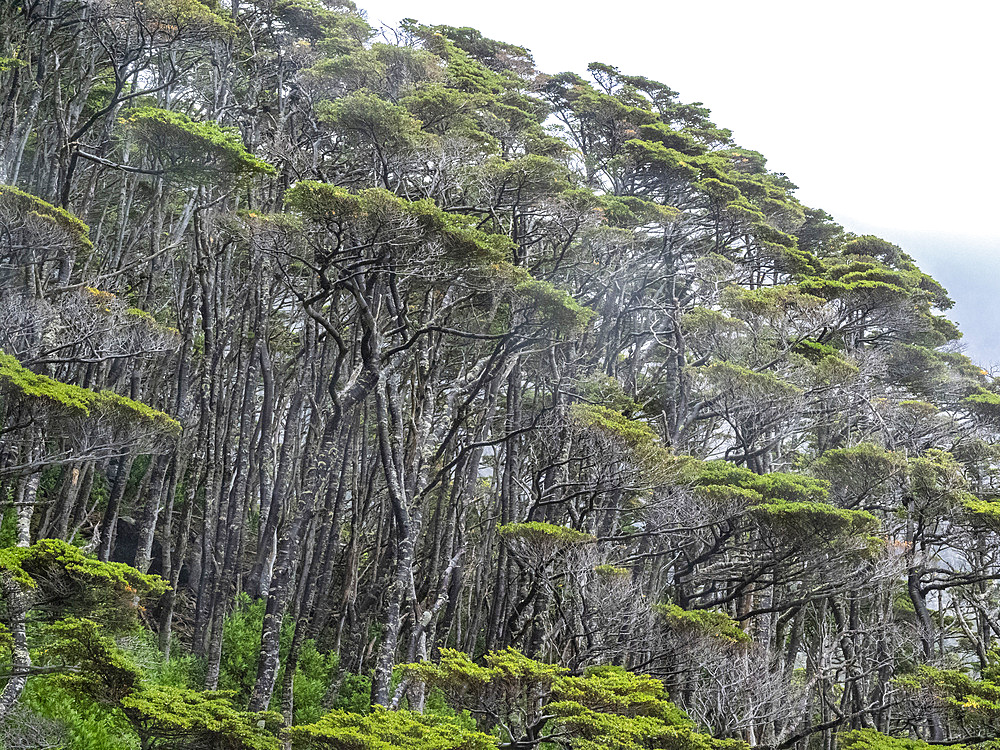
<point>882,112</point>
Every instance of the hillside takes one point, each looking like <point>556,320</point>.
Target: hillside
<point>371,390</point>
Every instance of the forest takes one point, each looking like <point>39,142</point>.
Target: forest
<point>368,388</point>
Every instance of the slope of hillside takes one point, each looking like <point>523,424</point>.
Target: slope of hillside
<point>383,391</point>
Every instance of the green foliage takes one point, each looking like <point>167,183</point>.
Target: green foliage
<point>191,150</point>
<point>181,669</point>
<point>835,370</point>
<point>8,525</point>
<point>607,707</point>
<point>944,329</point>
<point>984,404</point>
<point>530,231</point>
<point>310,19</point>
<point>314,672</point>
<point>931,373</point>
<point>72,399</point>
<point>513,671</point>
<point>711,326</point>
<point>104,674</point>
<point>241,646</point>
<point>374,121</point>
<point>160,715</point>
<point>597,730</point>
<point>555,307</point>
<point>869,739</point>
<point>508,673</point>
<point>69,583</point>
<point>875,247</point>
<point>607,392</point>
<point>17,203</point>
<point>737,383</point>
<point>183,718</point>
<point>493,55</point>
<point>704,622</point>
<point>936,480</point>
<point>614,689</point>
<point>313,675</point>
<point>8,64</point>
<point>817,521</point>
<point>354,694</point>
<point>792,504</point>
<point>814,351</point>
<point>629,212</point>
<point>858,293</point>
<point>323,201</point>
<point>83,724</point>
<point>190,18</point>
<point>612,571</point>
<point>983,512</point>
<point>772,302</point>
<point>720,496</point>
<point>635,434</point>
<point>773,486</point>
<point>970,700</point>
<point>387,730</point>
<point>334,205</point>
<point>477,65</point>
<point>862,472</point>
<point>530,179</point>
<point>539,532</point>
<point>440,109</point>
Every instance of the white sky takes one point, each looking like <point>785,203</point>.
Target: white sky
<point>881,111</point>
